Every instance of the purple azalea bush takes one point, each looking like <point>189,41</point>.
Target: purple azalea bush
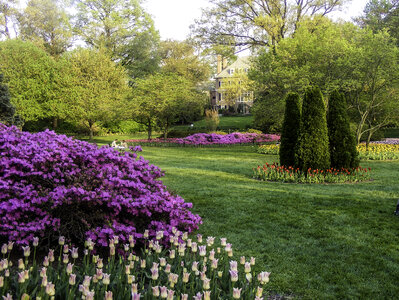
<point>52,185</point>
<point>228,139</point>
<point>202,139</point>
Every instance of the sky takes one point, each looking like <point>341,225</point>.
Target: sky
<point>173,17</point>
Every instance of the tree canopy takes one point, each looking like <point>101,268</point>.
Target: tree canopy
<point>160,98</point>
<point>247,23</point>
<point>380,15</point>
<point>112,24</point>
<point>29,73</point>
<point>46,23</point>
<point>94,86</point>
<point>358,62</point>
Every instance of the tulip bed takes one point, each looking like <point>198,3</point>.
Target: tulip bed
<point>271,149</point>
<point>210,139</point>
<point>379,151</point>
<point>274,172</point>
<point>185,269</point>
<point>384,150</point>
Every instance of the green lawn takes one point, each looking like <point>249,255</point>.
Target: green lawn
<point>319,241</point>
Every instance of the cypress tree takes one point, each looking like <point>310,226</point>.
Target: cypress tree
<point>7,110</point>
<point>290,130</point>
<point>313,151</point>
<point>341,140</point>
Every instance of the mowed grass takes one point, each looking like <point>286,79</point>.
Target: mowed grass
<point>335,241</point>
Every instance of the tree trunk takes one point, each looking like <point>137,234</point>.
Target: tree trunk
<point>55,124</point>
<point>149,129</point>
<point>166,128</point>
<point>91,132</point>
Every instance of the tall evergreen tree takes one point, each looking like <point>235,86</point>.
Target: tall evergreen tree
<point>313,151</point>
<point>290,130</point>
<point>342,141</point>
<point>7,110</point>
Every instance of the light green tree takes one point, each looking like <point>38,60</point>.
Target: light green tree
<point>46,23</point>
<point>94,86</point>
<point>180,58</point>
<point>247,23</point>
<point>343,57</point>
<point>112,24</point>
<point>141,56</point>
<point>380,15</point>
<point>374,89</point>
<point>158,98</point>
<point>29,73</point>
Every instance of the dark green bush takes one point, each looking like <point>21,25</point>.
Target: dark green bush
<point>7,109</point>
<point>290,130</point>
<point>342,141</point>
<point>313,151</point>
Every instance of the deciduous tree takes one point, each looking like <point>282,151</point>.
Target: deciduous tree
<point>8,13</point>
<point>112,24</point>
<point>380,15</point>
<point>246,23</point>
<point>46,23</point>
<point>358,62</point>
<point>29,73</point>
<point>95,87</point>
<point>158,98</point>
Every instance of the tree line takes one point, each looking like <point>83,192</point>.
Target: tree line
<point>295,46</point>
<point>101,63</point>
<point>157,83</point>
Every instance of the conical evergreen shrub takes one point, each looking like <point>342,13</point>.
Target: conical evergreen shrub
<point>290,130</point>
<point>341,140</point>
<point>313,151</point>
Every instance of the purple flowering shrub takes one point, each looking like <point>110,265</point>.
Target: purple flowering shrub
<point>201,139</point>
<point>52,185</point>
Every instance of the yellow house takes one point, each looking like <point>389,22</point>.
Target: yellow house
<point>227,80</point>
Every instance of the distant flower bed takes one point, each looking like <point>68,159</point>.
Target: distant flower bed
<point>205,139</point>
<point>187,269</point>
<point>274,172</point>
<point>384,150</point>
<point>272,149</point>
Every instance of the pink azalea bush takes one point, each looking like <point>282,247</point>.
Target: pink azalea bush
<point>202,139</point>
<point>52,185</point>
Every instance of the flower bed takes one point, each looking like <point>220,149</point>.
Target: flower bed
<point>272,149</point>
<point>386,150</point>
<point>205,139</point>
<point>53,185</point>
<point>383,150</point>
<point>274,172</point>
<point>189,269</point>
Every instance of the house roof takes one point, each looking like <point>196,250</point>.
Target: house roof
<point>240,63</point>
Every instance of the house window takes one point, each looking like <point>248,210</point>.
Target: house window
<point>231,71</point>
<point>220,83</point>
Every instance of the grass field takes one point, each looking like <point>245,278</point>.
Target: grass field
<point>319,241</point>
